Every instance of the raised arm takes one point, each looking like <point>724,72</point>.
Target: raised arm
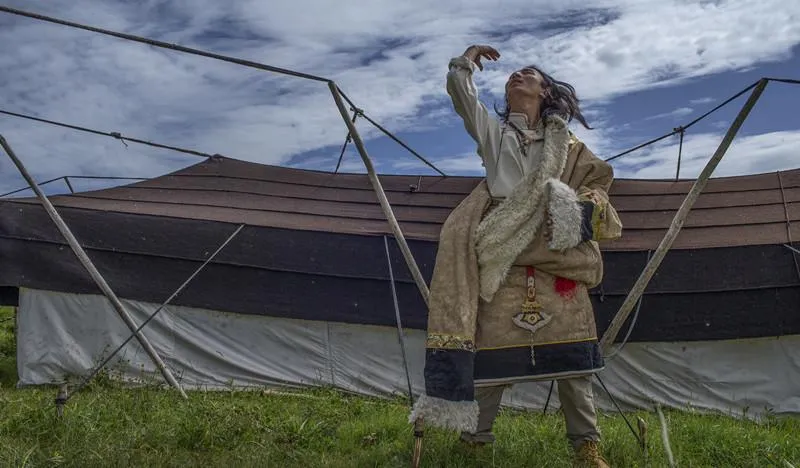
<point>477,121</point>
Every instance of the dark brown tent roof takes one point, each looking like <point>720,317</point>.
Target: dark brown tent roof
<point>746,210</point>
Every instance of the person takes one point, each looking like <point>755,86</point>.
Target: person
<point>509,297</point>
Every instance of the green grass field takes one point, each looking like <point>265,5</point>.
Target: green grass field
<point>105,425</point>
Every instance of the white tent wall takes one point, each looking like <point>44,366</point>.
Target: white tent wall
<point>63,336</point>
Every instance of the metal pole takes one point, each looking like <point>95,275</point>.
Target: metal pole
<point>400,336</point>
<point>152,316</point>
<point>346,142</point>
<point>397,140</point>
<point>87,263</point>
<point>355,108</point>
<point>788,224</point>
<point>28,188</point>
<point>398,235</point>
<point>791,248</point>
<point>153,42</point>
<point>680,151</point>
<point>611,356</point>
<point>376,184</point>
<point>116,135</point>
<point>680,217</point>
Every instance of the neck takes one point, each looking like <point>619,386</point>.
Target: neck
<point>530,109</point>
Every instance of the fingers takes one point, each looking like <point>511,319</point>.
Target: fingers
<point>476,52</point>
<point>490,52</point>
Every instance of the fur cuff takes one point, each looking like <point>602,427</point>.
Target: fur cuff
<point>457,415</point>
<point>566,213</point>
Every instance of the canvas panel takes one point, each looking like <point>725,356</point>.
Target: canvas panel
<point>64,333</point>
<point>64,336</point>
<point>369,359</point>
<point>739,377</point>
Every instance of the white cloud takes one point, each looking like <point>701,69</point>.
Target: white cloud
<point>663,42</point>
<point>389,57</point>
<point>466,164</point>
<point>752,154</point>
<point>704,100</point>
<point>677,113</point>
<point>768,152</point>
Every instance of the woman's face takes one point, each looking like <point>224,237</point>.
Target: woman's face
<point>524,84</point>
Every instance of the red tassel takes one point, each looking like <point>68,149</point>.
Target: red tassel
<point>565,287</point>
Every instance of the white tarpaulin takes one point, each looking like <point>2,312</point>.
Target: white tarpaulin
<point>63,336</point>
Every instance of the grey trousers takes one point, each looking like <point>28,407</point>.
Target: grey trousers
<point>575,395</point>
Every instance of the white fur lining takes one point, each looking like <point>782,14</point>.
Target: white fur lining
<point>446,414</point>
<point>566,215</point>
<point>508,230</point>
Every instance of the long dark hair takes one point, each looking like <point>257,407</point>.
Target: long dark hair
<point>560,99</point>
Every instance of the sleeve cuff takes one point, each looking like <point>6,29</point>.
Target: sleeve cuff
<point>463,63</point>
<point>587,220</point>
<point>567,214</point>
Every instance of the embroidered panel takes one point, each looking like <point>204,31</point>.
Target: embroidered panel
<point>601,229</point>
<point>446,341</point>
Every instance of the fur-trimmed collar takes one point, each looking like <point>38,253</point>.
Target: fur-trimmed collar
<point>505,232</point>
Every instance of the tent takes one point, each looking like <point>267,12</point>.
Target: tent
<point>303,296</point>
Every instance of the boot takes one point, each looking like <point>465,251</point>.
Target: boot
<point>478,440</point>
<point>588,456</point>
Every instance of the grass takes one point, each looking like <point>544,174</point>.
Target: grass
<point>8,348</point>
<point>106,425</point>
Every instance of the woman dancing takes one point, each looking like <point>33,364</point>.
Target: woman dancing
<point>509,296</point>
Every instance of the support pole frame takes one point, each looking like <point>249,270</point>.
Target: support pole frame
<point>91,269</point>
<point>680,217</point>
<point>376,185</point>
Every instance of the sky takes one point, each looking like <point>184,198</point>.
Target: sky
<point>640,67</point>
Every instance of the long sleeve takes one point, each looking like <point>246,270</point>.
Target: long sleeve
<point>600,220</point>
<point>586,213</point>
<point>483,128</point>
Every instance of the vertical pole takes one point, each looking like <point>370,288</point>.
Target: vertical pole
<point>87,263</point>
<point>376,184</point>
<point>680,151</point>
<point>400,336</point>
<point>398,235</point>
<point>788,224</point>
<point>677,222</point>
<point>347,140</point>
<point>69,185</point>
<point>549,394</point>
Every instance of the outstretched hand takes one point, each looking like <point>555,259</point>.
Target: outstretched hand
<point>476,52</point>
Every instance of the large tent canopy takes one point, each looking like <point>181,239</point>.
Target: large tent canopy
<point>303,295</point>
<point>313,246</point>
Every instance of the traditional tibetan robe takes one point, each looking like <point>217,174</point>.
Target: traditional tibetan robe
<point>507,303</point>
